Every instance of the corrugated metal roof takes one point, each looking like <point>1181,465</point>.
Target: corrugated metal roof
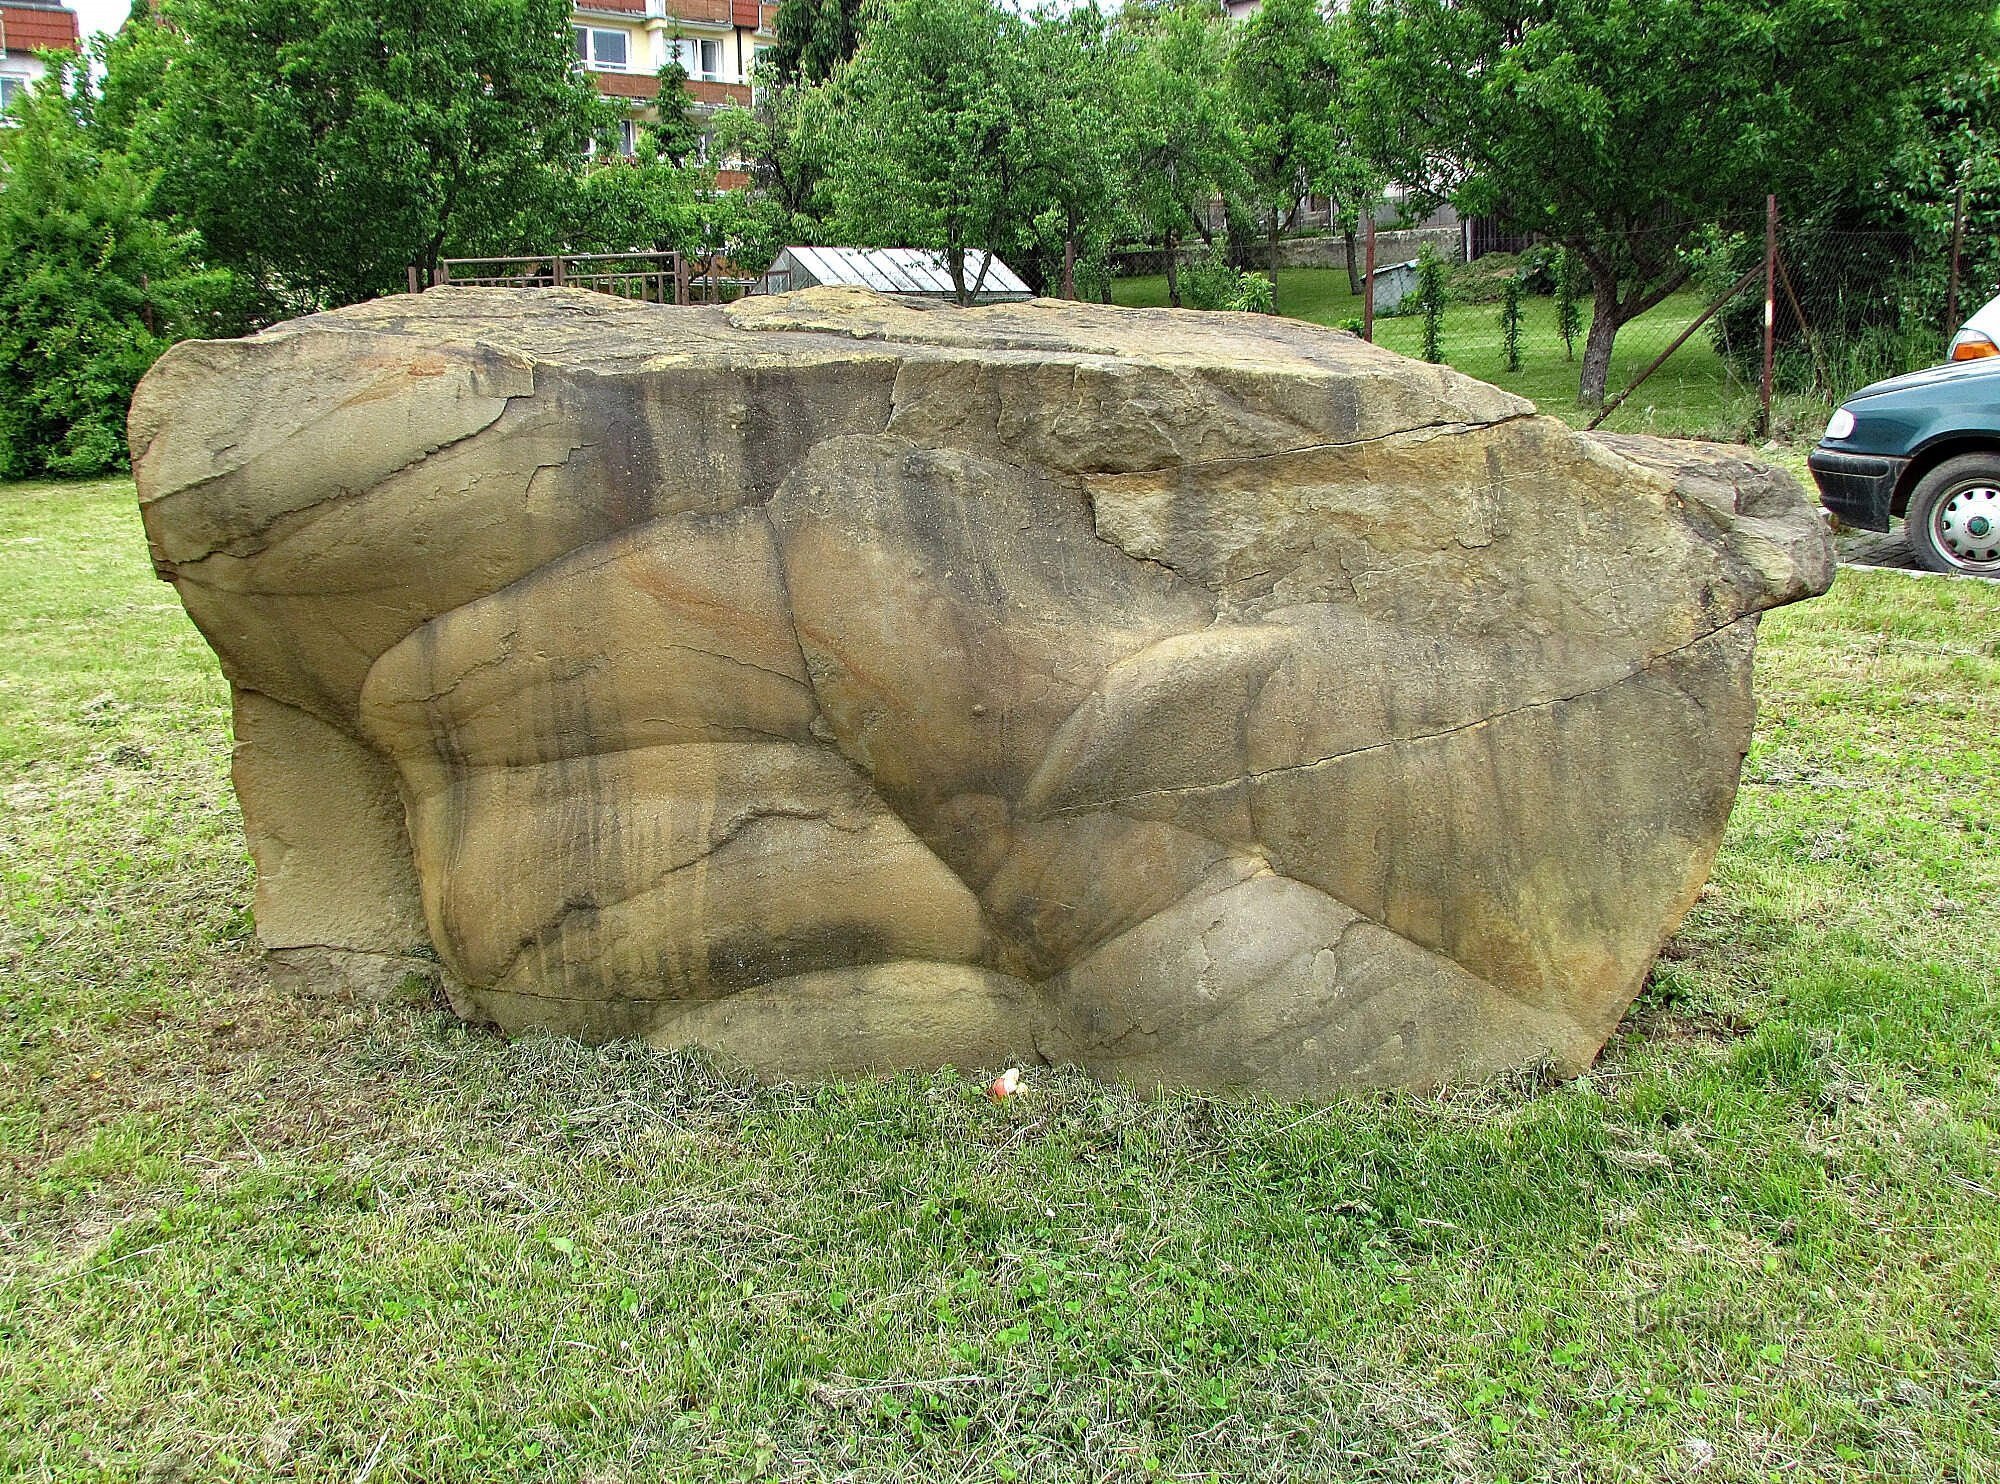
<point>895,270</point>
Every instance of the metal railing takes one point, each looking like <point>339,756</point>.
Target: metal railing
<point>647,277</point>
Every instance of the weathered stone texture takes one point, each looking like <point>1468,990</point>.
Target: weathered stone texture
<point>845,682</point>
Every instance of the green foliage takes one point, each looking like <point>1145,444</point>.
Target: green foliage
<point>322,146</point>
<point>815,37</point>
<point>1953,144</point>
<point>1485,279</point>
<point>675,135</point>
<point>1569,320</point>
<point>1072,61</point>
<point>960,125</point>
<point>1257,294</point>
<point>1428,299</point>
<point>1621,131</point>
<point>1210,282</point>
<point>1510,323</point>
<point>1179,137</point>
<point>92,289</point>
<point>784,140</point>
<point>930,131</point>
<point>1289,72</point>
<point>633,206</point>
<point>1871,266</point>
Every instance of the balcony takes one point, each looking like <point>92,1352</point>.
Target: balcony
<point>716,94</point>
<point>627,84</point>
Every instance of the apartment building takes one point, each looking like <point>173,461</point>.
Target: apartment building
<point>26,28</point>
<point>623,44</point>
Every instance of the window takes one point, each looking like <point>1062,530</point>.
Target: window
<point>711,59</point>
<point>604,50</point>
<point>11,88</point>
<point>628,138</point>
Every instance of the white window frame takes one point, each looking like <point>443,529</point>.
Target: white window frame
<point>586,37</point>
<point>702,45</point>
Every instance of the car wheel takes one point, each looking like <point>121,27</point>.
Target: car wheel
<point>1954,516</point>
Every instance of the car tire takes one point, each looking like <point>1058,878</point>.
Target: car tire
<point>1953,521</point>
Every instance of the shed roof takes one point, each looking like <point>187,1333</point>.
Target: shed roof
<point>903,270</point>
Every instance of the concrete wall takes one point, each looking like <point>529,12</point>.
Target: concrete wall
<point>1390,247</point>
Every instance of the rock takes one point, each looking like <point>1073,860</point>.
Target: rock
<point>845,682</point>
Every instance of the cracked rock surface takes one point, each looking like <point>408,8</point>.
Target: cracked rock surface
<point>845,682</point>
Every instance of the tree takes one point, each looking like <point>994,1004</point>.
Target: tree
<point>1178,135</point>
<point>931,144</point>
<point>1072,136</point>
<point>815,37</point>
<point>1953,146</point>
<point>322,146</point>
<point>782,136</point>
<point>675,136</point>
<point>1288,73</point>
<point>92,290</point>
<point>643,204</point>
<point>1622,129</point>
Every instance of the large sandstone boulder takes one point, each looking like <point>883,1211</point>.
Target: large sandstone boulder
<point>847,683</point>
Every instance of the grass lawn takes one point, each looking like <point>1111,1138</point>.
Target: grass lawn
<point>1691,395</point>
<point>244,1236</point>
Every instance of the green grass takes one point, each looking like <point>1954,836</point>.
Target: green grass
<point>244,1236</point>
<point>1692,395</point>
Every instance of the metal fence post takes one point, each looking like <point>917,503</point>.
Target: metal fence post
<point>1957,252</point>
<point>1368,280</point>
<point>1770,312</point>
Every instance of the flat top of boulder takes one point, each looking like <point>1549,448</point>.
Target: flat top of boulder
<point>560,326</point>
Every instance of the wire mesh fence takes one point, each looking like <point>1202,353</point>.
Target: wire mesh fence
<point>1850,306</point>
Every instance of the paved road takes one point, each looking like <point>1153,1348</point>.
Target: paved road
<point>1876,548</point>
<point>1883,549</point>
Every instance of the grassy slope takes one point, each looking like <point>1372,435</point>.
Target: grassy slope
<point>1691,395</point>
<point>241,1234</point>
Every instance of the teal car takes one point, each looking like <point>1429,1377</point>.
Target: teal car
<point>1926,447</point>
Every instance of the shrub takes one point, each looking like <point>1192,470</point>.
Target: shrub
<point>91,290</point>
<point>1428,299</point>
<point>1569,318</point>
<point>1873,304</point>
<point>1209,282</point>
<point>1510,323</point>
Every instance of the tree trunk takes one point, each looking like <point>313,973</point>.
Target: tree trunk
<point>1353,264</point>
<point>1598,343</point>
<point>1274,260</point>
<point>954,257</point>
<point>1173,268</point>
